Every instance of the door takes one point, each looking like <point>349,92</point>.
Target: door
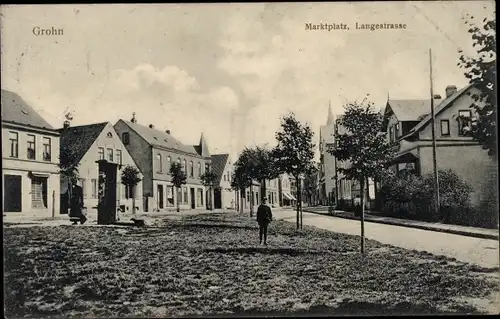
<point>12,193</point>
<point>160,196</point>
<point>217,198</point>
<point>193,199</point>
<point>107,205</point>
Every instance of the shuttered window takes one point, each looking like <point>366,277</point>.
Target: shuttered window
<point>39,192</point>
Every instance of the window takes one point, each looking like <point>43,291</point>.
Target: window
<point>396,131</point>
<point>109,135</point>
<point>179,195</point>
<point>39,192</point>
<point>14,144</point>
<point>225,176</point>
<point>170,196</point>
<point>101,153</point>
<point>110,154</point>
<point>464,123</point>
<point>185,166</point>
<point>199,170</point>
<point>46,149</point>
<point>185,197</point>
<point>31,147</point>
<point>207,167</point>
<point>119,157</point>
<point>199,197</point>
<point>169,163</point>
<point>191,169</point>
<point>179,160</point>
<point>125,138</point>
<point>94,187</point>
<point>391,137</point>
<point>445,127</point>
<point>159,163</point>
<point>82,182</point>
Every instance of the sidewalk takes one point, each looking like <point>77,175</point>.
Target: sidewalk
<point>438,227</point>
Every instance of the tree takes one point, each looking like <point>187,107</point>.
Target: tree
<point>481,72</point>
<point>240,181</point>
<point>311,184</point>
<point>208,179</point>
<point>68,165</point>
<point>364,146</point>
<point>178,178</point>
<point>261,166</point>
<point>130,178</point>
<point>294,153</point>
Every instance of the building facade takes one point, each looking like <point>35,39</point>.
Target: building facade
<point>154,151</point>
<point>285,193</point>
<point>224,195</point>
<point>30,161</point>
<point>91,143</point>
<point>455,147</point>
<point>327,178</point>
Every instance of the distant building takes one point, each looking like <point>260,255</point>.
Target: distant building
<point>91,143</point>
<point>30,160</point>
<point>224,195</point>
<point>408,123</point>
<point>154,151</point>
<point>327,163</point>
<point>285,194</point>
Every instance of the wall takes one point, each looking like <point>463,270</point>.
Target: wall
<point>89,170</point>
<point>471,163</point>
<point>228,197</point>
<point>163,172</point>
<point>21,166</point>
<point>139,150</point>
<point>185,203</point>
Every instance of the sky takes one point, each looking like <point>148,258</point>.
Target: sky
<point>230,71</point>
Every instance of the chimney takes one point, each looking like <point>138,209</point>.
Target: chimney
<point>437,97</point>
<point>168,132</point>
<point>450,90</point>
<point>66,124</point>
<point>133,120</point>
<point>151,126</point>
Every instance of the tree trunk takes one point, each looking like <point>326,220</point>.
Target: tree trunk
<point>251,201</point>
<point>298,209</point>
<point>211,198</point>
<point>242,191</point>
<point>178,199</point>
<point>133,200</point>
<point>300,203</point>
<point>362,197</point>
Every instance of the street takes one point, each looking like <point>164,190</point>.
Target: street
<point>482,252</point>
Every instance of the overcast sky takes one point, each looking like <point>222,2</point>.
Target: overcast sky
<point>228,70</point>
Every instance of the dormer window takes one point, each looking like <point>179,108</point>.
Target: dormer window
<point>125,138</point>
<point>109,135</point>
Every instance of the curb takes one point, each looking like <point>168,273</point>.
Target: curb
<point>440,230</point>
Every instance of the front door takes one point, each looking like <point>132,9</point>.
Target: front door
<point>12,193</point>
<point>160,196</point>
<point>193,199</point>
<point>217,198</point>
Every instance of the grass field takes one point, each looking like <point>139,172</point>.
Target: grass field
<point>212,264</point>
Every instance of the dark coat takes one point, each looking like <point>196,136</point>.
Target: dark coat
<point>264,214</point>
<point>76,201</point>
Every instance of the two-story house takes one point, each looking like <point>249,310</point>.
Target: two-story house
<point>30,160</point>
<point>154,151</point>
<point>409,123</point>
<point>224,195</point>
<point>90,143</point>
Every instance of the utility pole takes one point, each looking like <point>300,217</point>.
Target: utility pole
<point>434,158</point>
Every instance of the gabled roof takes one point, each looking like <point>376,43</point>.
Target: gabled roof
<point>411,110</point>
<point>159,138</point>
<point>202,147</point>
<point>439,108</point>
<point>18,111</point>
<point>219,162</point>
<point>79,139</point>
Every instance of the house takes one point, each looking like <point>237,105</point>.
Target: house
<point>409,124</point>
<point>88,144</point>
<point>284,191</point>
<point>30,160</point>
<point>224,195</point>
<point>154,151</point>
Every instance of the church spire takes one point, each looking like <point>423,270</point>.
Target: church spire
<point>331,118</point>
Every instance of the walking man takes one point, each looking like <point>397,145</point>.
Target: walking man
<point>76,205</point>
<point>264,217</point>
